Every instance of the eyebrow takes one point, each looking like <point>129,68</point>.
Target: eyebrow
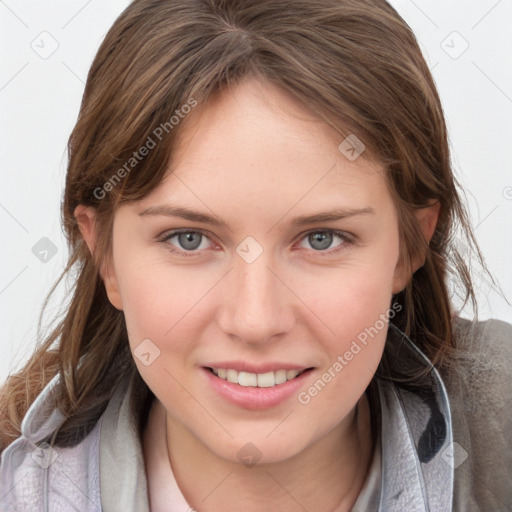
<point>316,218</point>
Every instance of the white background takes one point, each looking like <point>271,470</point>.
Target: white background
<point>40,98</point>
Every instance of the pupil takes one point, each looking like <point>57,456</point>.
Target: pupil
<point>187,240</point>
<point>323,238</point>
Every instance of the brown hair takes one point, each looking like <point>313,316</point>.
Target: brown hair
<point>353,63</point>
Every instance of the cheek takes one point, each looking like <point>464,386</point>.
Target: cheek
<point>355,306</point>
<point>355,296</point>
<point>155,292</point>
<point>357,313</point>
<point>162,310</point>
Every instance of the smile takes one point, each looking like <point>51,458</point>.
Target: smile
<point>260,380</point>
<point>256,390</point>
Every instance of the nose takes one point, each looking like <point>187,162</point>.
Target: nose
<point>257,306</point>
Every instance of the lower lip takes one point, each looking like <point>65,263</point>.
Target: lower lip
<point>255,398</point>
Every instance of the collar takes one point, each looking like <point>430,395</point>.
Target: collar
<point>417,452</point>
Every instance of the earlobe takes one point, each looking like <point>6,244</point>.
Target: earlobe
<point>86,217</point>
<point>427,218</point>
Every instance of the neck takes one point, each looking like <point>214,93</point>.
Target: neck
<point>327,476</point>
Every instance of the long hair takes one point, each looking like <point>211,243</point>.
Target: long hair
<point>355,64</point>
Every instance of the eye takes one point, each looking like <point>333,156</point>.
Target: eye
<point>322,239</point>
<point>188,240</point>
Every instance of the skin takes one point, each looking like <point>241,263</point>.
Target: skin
<point>257,159</point>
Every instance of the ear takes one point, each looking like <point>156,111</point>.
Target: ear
<point>427,219</point>
<point>86,219</point>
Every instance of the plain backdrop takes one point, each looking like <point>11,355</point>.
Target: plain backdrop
<point>47,49</point>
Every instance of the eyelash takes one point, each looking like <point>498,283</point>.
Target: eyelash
<point>189,254</point>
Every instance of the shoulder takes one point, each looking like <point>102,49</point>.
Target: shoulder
<point>483,351</point>
<point>489,334</point>
<point>482,366</point>
<point>479,385</point>
<point>64,478</point>
<point>36,469</point>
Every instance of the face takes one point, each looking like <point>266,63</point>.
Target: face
<point>252,288</point>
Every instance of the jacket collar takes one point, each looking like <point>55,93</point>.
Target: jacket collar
<point>417,463</point>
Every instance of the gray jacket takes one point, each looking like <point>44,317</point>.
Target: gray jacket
<point>447,444</point>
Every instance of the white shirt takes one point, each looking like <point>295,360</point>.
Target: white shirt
<point>162,486</point>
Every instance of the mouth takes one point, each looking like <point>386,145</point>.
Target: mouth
<point>256,386</point>
<point>269,379</point>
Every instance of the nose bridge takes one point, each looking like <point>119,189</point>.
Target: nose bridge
<point>259,304</point>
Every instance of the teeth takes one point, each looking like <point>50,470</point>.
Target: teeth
<point>280,376</point>
<point>247,379</point>
<point>232,376</point>
<point>266,380</point>
<point>290,374</point>
<point>260,380</point>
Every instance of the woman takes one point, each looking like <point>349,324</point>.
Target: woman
<point>304,354</point>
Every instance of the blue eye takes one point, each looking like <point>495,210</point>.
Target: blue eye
<point>190,241</point>
<point>324,239</point>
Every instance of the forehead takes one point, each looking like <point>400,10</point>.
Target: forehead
<point>255,144</point>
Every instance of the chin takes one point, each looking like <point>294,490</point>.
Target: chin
<point>252,449</point>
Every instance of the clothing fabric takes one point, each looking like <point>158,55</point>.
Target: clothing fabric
<point>445,443</point>
<point>162,486</point>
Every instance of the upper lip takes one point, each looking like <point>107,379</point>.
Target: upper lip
<point>242,366</point>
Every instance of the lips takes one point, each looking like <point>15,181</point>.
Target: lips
<point>264,387</point>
